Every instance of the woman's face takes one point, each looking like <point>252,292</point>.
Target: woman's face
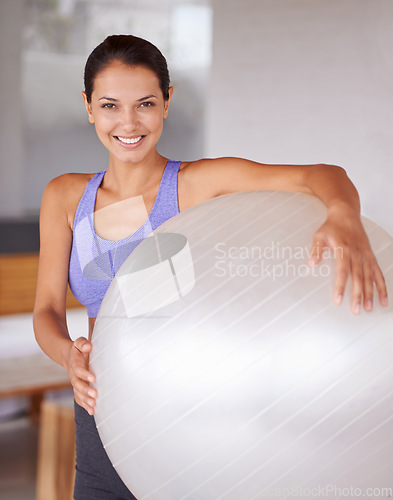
<point>127,107</point>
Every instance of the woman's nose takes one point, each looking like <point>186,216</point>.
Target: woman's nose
<point>129,118</point>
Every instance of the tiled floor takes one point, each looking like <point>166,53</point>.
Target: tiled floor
<point>18,452</point>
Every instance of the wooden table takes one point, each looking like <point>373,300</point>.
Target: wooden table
<point>31,376</point>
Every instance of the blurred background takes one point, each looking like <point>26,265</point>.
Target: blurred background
<point>276,81</point>
<point>44,45</point>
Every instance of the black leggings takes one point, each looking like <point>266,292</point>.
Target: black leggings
<point>95,476</point>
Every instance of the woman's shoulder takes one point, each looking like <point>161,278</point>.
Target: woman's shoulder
<point>193,165</point>
<point>70,186</point>
<point>69,181</point>
<point>198,181</point>
<point>64,192</point>
<point>211,166</point>
<point>210,177</point>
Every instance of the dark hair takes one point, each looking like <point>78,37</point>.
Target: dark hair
<point>129,50</point>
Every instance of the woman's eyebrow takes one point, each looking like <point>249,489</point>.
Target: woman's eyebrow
<point>108,99</point>
<point>138,100</point>
<point>146,97</point>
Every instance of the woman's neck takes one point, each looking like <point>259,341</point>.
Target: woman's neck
<point>131,179</point>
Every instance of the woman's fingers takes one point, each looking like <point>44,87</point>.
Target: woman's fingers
<point>318,245</point>
<point>366,275</point>
<point>85,395</point>
<point>368,287</point>
<point>364,272</point>
<point>357,275</point>
<point>342,274</point>
<point>80,376</point>
<point>379,280</point>
<point>354,258</point>
<point>82,345</point>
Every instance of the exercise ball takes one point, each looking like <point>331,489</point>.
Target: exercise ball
<point>224,369</point>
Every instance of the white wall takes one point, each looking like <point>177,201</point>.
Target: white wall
<point>11,142</point>
<point>306,81</point>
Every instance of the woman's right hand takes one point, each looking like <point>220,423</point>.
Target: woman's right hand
<point>80,376</point>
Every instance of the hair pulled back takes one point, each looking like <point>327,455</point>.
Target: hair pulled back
<point>130,50</point>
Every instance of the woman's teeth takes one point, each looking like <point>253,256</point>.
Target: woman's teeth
<point>129,141</point>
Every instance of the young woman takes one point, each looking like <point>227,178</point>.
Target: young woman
<point>127,97</point>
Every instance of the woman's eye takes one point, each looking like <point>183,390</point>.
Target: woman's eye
<point>108,105</point>
<point>147,104</point>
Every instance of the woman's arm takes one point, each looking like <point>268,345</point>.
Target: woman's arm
<point>49,318</point>
<point>342,230</point>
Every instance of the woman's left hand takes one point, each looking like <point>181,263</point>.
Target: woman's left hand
<point>343,233</point>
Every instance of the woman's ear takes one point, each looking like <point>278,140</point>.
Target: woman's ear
<point>167,102</point>
<point>88,107</point>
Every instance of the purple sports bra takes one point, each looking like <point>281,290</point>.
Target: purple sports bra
<point>94,261</point>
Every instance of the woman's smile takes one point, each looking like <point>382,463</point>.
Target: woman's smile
<point>129,142</point>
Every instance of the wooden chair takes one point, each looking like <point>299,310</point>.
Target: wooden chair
<point>56,451</point>
<point>18,282</point>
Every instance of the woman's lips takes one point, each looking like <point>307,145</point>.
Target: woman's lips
<point>129,142</point>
